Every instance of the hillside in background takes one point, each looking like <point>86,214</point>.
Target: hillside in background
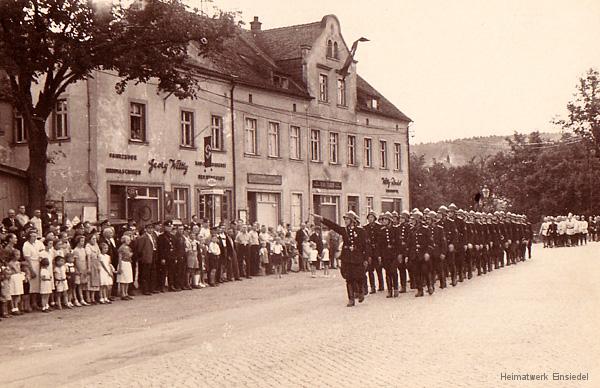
<point>459,152</point>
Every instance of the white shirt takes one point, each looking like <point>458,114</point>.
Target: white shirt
<point>214,248</point>
<point>325,255</point>
<point>37,222</point>
<point>544,228</point>
<point>276,248</point>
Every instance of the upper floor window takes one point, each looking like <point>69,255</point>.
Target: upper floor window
<point>397,156</point>
<point>20,129</point>
<point>216,124</point>
<point>295,143</point>
<point>334,148</point>
<point>368,152</point>
<point>383,153</point>
<point>280,82</point>
<point>351,150</point>
<point>60,129</point>
<point>323,92</point>
<point>315,145</point>
<point>187,128</point>
<point>137,120</point>
<point>341,92</point>
<point>329,49</point>
<point>274,139</point>
<point>336,53</point>
<point>374,103</point>
<point>251,138</point>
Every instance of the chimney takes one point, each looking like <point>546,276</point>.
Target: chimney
<point>255,24</point>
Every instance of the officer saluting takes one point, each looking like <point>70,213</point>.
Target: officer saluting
<point>355,254</point>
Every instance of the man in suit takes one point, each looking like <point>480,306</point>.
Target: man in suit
<point>300,235</point>
<point>145,250</point>
<point>317,237</point>
<point>233,269</point>
<point>166,254</point>
<point>10,223</point>
<point>355,254</point>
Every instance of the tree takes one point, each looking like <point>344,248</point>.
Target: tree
<point>584,110</point>
<point>55,43</point>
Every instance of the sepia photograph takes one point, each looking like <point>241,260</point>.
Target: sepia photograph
<point>339,193</point>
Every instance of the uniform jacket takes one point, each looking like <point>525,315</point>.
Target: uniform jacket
<point>356,248</point>
<point>144,250</point>
<point>386,246</point>
<point>420,241</point>
<point>440,243</point>
<point>166,246</point>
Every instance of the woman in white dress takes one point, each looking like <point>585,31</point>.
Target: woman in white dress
<point>49,253</point>
<point>92,250</point>
<point>32,248</point>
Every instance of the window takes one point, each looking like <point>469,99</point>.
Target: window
<point>341,92</point>
<point>296,210</point>
<point>180,203</point>
<point>20,129</point>
<point>383,153</point>
<point>329,49</point>
<point>251,140</point>
<point>295,143</point>
<point>351,150</point>
<point>280,82</point>
<point>323,95</point>
<point>60,128</point>
<point>216,124</point>
<point>137,116</point>
<point>368,153</point>
<point>374,103</point>
<point>250,98</point>
<point>187,128</point>
<point>274,139</point>
<point>334,148</point>
<point>336,50</point>
<point>315,145</point>
<point>353,204</point>
<point>370,204</point>
<point>391,205</point>
<point>397,156</point>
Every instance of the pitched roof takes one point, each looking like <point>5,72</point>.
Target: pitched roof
<point>364,93</point>
<point>284,43</point>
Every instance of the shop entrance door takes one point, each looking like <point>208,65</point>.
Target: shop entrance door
<point>210,206</point>
<point>267,209</point>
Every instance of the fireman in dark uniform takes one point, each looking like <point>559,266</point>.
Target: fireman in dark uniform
<point>166,253</point>
<point>402,233</point>
<point>459,242</point>
<point>355,254</point>
<point>470,237</point>
<point>451,232</point>
<point>372,229</point>
<point>420,247</point>
<point>439,250</point>
<point>387,253</point>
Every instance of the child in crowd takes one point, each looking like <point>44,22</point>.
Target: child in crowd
<point>5,297</point>
<point>202,254</point>
<point>60,283</point>
<point>313,256</point>
<point>305,253</point>
<point>214,251</point>
<point>70,271</point>
<point>26,268</point>
<point>82,273</point>
<point>263,255</point>
<point>45,283</point>
<point>125,271</point>
<point>16,281</point>
<point>191,253</point>
<point>277,251</point>
<point>106,273</point>
<point>325,259</point>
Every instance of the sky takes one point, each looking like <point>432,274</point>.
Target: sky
<point>459,68</point>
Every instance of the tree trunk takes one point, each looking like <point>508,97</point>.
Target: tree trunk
<point>38,162</point>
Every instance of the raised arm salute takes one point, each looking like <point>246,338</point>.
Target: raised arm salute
<point>355,254</point>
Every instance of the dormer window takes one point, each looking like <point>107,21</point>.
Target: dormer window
<point>280,82</point>
<point>332,50</point>
<point>329,49</point>
<point>335,51</point>
<point>374,103</point>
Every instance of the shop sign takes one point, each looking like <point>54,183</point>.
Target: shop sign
<point>215,177</point>
<point>211,182</point>
<point>331,185</point>
<point>264,179</point>
<point>122,156</point>
<point>391,182</point>
<point>122,171</point>
<point>212,192</point>
<point>199,163</point>
<point>391,191</point>
<point>175,164</point>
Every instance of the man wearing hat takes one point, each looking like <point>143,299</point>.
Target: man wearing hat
<point>451,233</point>
<point>438,254</point>
<point>166,254</point>
<point>372,229</point>
<point>355,254</point>
<point>420,245</point>
<point>386,252</point>
<point>402,233</point>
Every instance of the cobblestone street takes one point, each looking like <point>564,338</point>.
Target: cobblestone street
<point>539,316</point>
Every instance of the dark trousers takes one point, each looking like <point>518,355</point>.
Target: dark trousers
<point>254,259</point>
<point>391,272</point>
<point>173,275</point>
<point>145,277</point>
<point>422,269</point>
<point>373,268</point>
<point>243,254</point>
<point>403,271</point>
<point>439,269</point>
<point>233,269</point>
<point>160,275</point>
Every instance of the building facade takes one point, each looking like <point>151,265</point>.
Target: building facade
<point>290,134</point>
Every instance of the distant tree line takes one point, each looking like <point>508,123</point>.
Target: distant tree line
<point>536,176</point>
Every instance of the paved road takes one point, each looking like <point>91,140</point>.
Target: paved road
<point>539,316</point>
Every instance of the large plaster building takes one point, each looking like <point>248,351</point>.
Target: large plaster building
<point>290,135</point>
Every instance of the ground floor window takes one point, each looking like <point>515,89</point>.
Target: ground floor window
<point>391,205</point>
<point>142,203</point>
<point>353,204</point>
<point>327,206</point>
<point>180,203</point>
<point>370,204</point>
<point>215,206</point>
<point>264,208</point>
<point>296,210</point>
